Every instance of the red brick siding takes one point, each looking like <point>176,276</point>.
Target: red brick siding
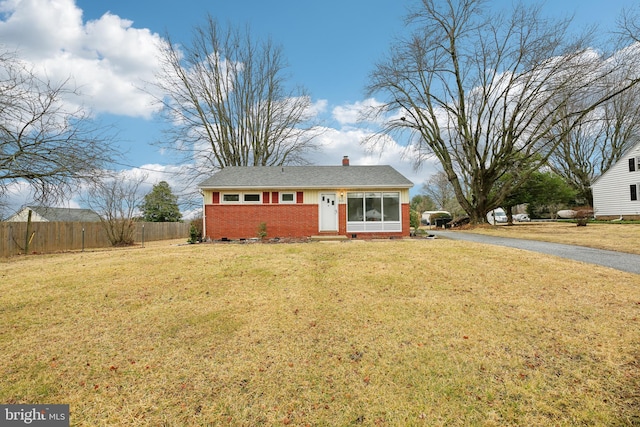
<point>283,220</point>
<point>242,221</point>
<point>342,219</point>
<point>406,222</point>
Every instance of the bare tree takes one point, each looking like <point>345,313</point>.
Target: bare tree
<point>628,26</point>
<point>116,200</point>
<point>43,142</point>
<point>590,148</point>
<point>440,190</point>
<point>228,102</point>
<point>482,92</point>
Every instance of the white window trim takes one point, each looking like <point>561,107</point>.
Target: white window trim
<point>376,226</point>
<point>293,197</point>
<point>231,202</point>
<point>241,196</point>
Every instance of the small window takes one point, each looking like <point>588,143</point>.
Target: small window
<point>634,192</point>
<point>632,165</point>
<point>287,197</point>
<point>231,198</point>
<point>252,198</point>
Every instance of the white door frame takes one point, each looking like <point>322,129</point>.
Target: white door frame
<point>328,211</point>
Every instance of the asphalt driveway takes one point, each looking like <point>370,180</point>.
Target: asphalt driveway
<point>618,260</point>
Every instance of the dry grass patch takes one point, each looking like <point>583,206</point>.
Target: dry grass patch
<point>432,332</point>
<point>614,237</point>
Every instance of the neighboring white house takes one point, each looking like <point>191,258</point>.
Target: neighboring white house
<point>616,193</point>
<point>48,214</point>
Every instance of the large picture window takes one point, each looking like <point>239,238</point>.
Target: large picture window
<point>373,211</point>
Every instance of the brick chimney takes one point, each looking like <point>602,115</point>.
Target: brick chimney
<point>345,161</point>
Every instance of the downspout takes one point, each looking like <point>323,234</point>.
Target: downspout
<point>204,216</point>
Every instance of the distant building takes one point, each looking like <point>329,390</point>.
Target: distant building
<point>47,214</point>
<point>616,193</point>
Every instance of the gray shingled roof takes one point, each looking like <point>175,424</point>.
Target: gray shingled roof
<point>66,214</point>
<point>300,177</point>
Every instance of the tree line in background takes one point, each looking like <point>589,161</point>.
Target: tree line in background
<point>506,103</point>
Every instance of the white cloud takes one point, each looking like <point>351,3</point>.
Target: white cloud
<point>351,114</point>
<point>348,142</point>
<point>107,59</point>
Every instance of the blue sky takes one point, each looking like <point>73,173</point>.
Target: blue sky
<point>331,47</point>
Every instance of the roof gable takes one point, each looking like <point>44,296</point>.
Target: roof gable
<point>620,164</point>
<point>300,177</point>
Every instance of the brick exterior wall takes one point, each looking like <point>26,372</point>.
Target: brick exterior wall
<point>242,221</point>
<point>283,220</point>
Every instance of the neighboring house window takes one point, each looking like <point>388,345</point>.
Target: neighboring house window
<point>632,164</point>
<point>373,211</point>
<point>634,192</point>
<point>287,197</point>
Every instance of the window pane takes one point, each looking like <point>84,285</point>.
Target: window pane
<point>354,207</point>
<point>287,197</point>
<point>373,207</point>
<point>632,165</point>
<point>252,197</point>
<point>634,192</point>
<point>391,206</point>
<point>231,197</point>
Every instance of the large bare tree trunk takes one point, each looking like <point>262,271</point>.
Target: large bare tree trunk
<point>485,94</point>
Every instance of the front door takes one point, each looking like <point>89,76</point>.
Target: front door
<point>328,212</point>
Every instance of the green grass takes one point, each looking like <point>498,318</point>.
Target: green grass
<point>395,333</point>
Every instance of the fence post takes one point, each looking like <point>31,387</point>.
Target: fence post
<point>27,240</point>
<point>143,235</point>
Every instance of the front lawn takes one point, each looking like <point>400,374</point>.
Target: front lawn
<point>393,333</point>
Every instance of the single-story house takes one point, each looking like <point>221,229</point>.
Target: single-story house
<point>48,214</point>
<point>305,201</point>
<point>616,193</point>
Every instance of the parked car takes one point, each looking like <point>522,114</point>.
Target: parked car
<point>496,215</point>
<point>521,218</point>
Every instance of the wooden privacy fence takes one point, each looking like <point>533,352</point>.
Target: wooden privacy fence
<point>48,237</point>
